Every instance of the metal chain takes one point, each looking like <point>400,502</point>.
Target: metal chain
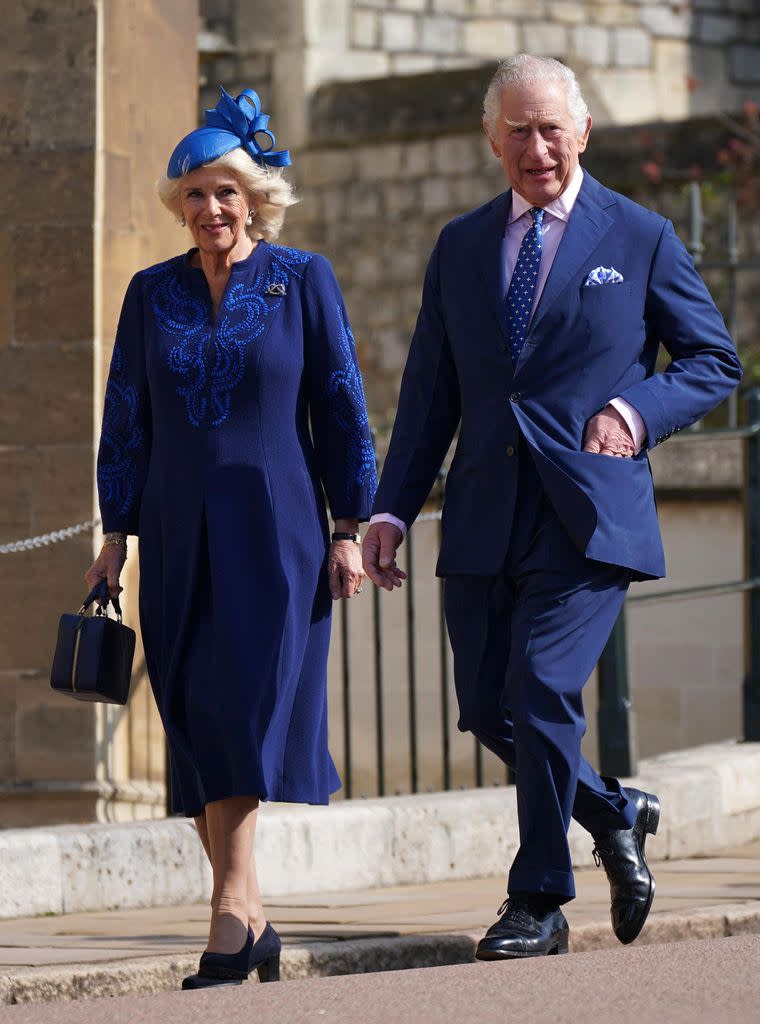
<point>48,538</point>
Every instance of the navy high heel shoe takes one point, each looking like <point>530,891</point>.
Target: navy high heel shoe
<point>262,956</point>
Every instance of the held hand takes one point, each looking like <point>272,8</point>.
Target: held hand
<point>608,434</point>
<point>344,569</point>
<point>107,566</point>
<point>380,546</point>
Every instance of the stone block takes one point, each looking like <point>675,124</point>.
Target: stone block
<point>745,63</point>
<point>131,865</point>
<point>400,197</point>
<point>672,67</point>
<point>667,20</point>
<point>62,184</point>
<point>491,38</point>
<point>324,166</point>
<point>46,394</point>
<point>326,24</point>
<point>628,95</point>
<point>312,841</point>
<point>364,29</point>
<point>378,163</point>
<point>362,203</point>
<point>459,8</point>
<point>412,63</point>
<point>267,25</point>
<point>718,29</point>
<point>572,13</point>
<point>54,736</point>
<point>592,43</point>
<point>406,5</point>
<point>715,93</point>
<point>398,32</point>
<point>30,873</point>
<point>62,485</point>
<point>418,159</point>
<point>63,114</point>
<point>16,469</point>
<point>8,725</point>
<point>118,188</point>
<point>543,38</point>
<point>7,284</point>
<point>631,48</point>
<point>608,12</point>
<point>454,154</point>
<point>519,8</point>
<point>14,112</point>
<point>440,35</point>
<point>53,302</point>
<point>436,195</point>
<point>353,66</point>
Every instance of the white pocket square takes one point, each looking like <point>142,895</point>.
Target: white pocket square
<point>603,275</point>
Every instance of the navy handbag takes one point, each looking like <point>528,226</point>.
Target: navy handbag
<point>93,655</point>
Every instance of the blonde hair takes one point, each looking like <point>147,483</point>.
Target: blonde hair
<point>525,69</point>
<point>269,192</point>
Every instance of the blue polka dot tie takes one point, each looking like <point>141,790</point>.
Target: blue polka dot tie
<point>522,287</point>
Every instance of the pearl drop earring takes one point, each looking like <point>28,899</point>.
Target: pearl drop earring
<point>250,217</point>
<point>182,222</point>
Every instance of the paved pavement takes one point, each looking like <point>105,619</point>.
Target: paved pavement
<point>118,952</point>
<point>681,983</point>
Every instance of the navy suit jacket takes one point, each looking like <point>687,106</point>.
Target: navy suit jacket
<point>585,345</point>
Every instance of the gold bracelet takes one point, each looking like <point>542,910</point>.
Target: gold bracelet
<point>117,539</point>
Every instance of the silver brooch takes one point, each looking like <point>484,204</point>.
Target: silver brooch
<point>275,289</point>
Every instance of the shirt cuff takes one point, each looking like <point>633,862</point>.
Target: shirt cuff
<point>386,517</point>
<point>633,421</point>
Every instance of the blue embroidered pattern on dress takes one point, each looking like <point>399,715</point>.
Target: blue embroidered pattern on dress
<point>210,360</point>
<point>121,439</point>
<point>349,408</point>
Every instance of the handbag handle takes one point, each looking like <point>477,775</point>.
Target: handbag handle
<point>100,592</point>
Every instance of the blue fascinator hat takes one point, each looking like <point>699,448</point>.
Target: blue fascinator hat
<point>232,123</point>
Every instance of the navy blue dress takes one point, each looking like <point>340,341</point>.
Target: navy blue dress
<point>218,439</point>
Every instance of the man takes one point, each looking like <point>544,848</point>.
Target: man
<point>542,315</point>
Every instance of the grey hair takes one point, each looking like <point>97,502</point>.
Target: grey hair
<point>524,69</point>
<point>267,190</point>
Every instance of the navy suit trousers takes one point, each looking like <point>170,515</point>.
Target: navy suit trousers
<point>524,643</point>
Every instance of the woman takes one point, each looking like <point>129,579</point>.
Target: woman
<point>234,396</point>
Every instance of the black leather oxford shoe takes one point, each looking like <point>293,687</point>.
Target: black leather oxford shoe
<point>520,933</point>
<point>631,881</point>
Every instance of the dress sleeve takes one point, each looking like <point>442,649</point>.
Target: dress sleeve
<point>339,423</point>
<point>126,434</point>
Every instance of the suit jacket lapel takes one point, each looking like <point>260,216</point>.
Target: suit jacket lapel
<point>491,255</point>
<point>588,224</point>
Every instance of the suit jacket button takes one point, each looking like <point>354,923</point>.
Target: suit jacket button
<point>510,450</point>
<point>515,396</point>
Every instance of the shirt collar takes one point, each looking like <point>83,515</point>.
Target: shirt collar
<point>561,207</point>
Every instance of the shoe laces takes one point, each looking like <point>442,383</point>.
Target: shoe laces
<point>599,852</point>
<point>517,912</point>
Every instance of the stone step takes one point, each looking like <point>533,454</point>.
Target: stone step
<point>710,798</point>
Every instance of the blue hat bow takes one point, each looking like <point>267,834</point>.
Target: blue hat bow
<point>231,124</point>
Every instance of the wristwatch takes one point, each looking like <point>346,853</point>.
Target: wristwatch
<point>347,536</point>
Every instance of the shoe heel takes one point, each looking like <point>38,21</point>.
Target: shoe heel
<point>653,815</point>
<point>563,945</point>
<point>269,969</point>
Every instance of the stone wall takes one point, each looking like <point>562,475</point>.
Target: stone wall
<point>645,59</point>
<point>84,132</point>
